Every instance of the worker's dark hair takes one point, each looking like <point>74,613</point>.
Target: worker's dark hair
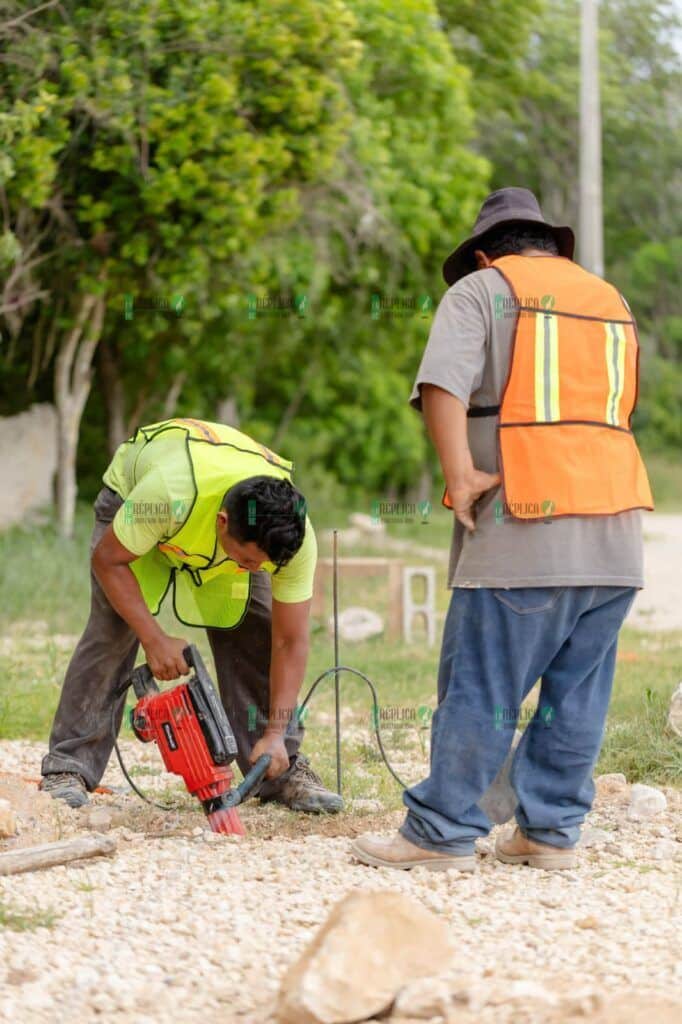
<point>268,511</point>
<point>508,239</point>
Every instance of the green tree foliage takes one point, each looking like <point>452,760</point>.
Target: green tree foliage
<point>535,143</point>
<point>150,149</point>
<point>215,156</point>
<point>653,287</point>
<point>330,386</point>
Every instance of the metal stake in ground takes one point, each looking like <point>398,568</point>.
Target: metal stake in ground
<point>337,691</point>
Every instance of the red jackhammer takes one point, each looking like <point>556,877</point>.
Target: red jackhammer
<point>192,731</point>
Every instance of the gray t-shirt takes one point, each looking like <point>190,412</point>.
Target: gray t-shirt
<point>468,354</point>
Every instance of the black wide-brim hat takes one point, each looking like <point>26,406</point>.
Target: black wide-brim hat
<point>506,206</point>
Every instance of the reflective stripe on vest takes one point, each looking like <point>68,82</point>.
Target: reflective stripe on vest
<point>615,364</point>
<point>546,368</point>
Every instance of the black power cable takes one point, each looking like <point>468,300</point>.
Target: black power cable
<point>152,803</point>
<point>375,701</point>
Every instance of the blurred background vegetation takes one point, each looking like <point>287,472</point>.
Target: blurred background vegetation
<point>276,164</point>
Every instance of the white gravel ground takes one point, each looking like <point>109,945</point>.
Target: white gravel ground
<point>193,927</point>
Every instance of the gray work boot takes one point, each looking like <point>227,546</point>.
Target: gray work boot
<point>66,786</point>
<point>302,790</point>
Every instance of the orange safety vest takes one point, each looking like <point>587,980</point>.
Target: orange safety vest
<point>564,440</point>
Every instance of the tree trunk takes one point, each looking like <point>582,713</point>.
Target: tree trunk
<point>114,396</point>
<point>73,370</point>
<point>174,392</point>
<point>227,412</point>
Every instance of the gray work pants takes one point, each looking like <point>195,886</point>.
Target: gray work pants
<point>81,739</point>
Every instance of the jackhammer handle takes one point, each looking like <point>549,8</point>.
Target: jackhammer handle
<point>142,681</point>
<point>249,782</point>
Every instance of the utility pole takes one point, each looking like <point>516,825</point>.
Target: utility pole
<point>591,238</point>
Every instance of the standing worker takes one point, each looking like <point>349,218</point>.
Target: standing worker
<point>527,386</point>
<point>200,511</point>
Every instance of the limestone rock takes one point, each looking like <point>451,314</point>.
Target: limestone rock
<point>613,786</point>
<point>100,819</point>
<point>675,712</point>
<point>592,836</point>
<point>645,802</point>
<point>588,922</point>
<point>358,624</point>
<point>665,849</point>
<point>8,821</point>
<point>371,945</point>
<point>528,993</point>
<point>423,999</point>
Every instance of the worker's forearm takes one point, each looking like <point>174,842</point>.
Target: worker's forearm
<point>123,591</point>
<point>287,670</point>
<point>446,421</point>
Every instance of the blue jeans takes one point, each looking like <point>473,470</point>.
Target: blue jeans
<point>496,645</point>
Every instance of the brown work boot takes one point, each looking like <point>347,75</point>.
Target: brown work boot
<point>397,852</point>
<point>302,790</point>
<point>515,848</point>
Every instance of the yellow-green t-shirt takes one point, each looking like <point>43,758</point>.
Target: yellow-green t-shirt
<point>155,507</point>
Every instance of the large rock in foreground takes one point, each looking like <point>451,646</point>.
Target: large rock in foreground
<point>371,945</point>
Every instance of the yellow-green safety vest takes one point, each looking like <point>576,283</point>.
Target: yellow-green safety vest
<point>218,596</point>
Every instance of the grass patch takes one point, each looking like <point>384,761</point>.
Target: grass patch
<point>26,920</point>
<point>637,742</point>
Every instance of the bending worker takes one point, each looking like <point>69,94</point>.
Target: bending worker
<point>201,515</point>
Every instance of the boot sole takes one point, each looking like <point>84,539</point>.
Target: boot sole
<point>544,861</point>
<point>432,864</point>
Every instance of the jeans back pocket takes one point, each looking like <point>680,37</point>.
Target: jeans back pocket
<point>529,600</point>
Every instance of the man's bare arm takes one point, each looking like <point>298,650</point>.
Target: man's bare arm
<point>446,421</point>
<point>111,565</point>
